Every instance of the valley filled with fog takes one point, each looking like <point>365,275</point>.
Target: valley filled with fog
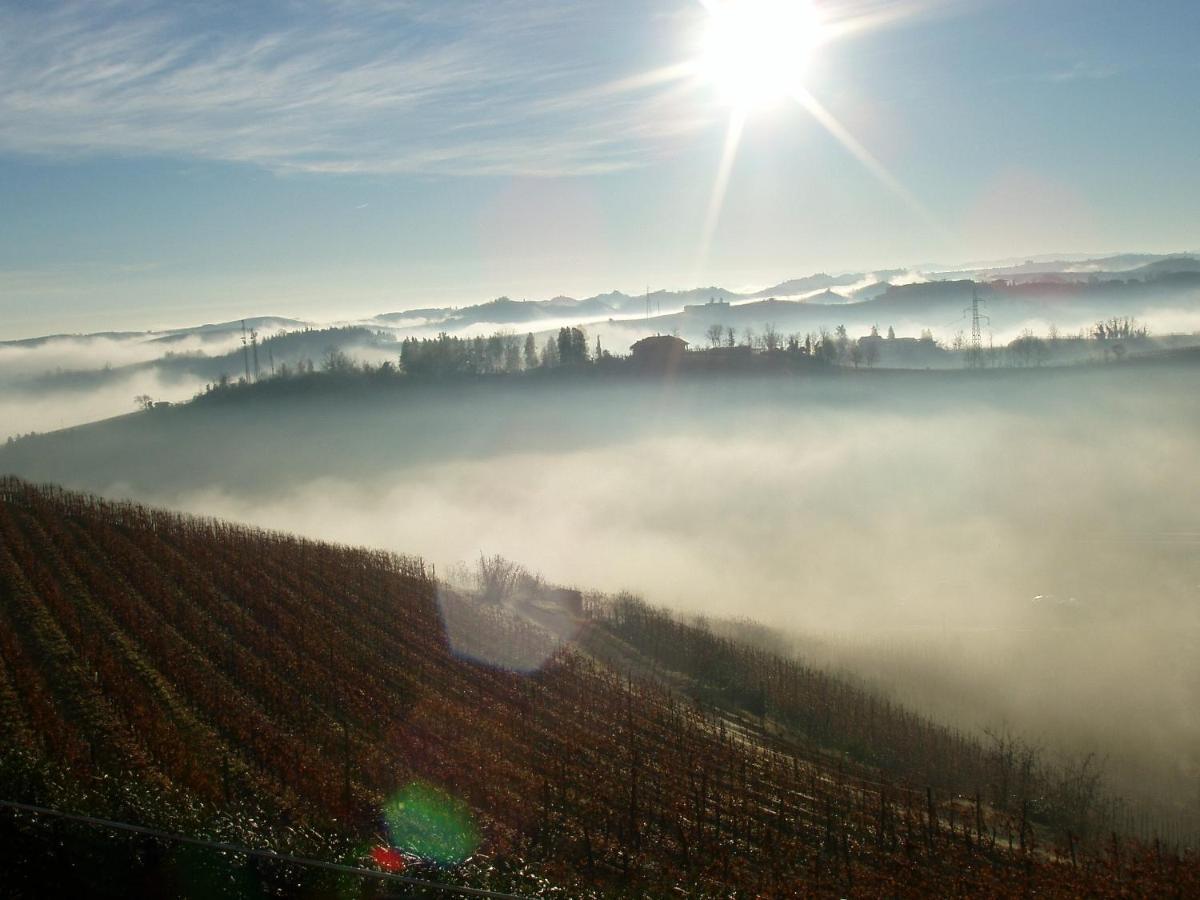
<point>1009,549</point>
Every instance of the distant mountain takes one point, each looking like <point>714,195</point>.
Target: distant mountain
<point>218,330</point>
<point>1065,268</point>
<point>1044,264</point>
<point>871,291</point>
<point>819,281</point>
<point>236,325</point>
<point>844,298</point>
<point>410,315</point>
<point>1174,265</point>
<point>506,311</point>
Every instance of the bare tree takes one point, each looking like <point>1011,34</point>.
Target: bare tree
<point>336,361</point>
<point>1028,349</point>
<point>770,338</point>
<point>531,354</point>
<point>714,334</point>
<point>496,578</point>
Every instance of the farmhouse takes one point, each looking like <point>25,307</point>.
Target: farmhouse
<point>660,351</point>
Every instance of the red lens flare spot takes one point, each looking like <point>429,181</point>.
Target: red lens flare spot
<point>388,858</point>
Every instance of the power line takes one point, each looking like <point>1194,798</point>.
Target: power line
<point>253,851</point>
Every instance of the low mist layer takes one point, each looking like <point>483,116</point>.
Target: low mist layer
<point>1007,549</point>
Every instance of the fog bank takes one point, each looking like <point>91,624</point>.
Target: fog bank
<point>1009,547</point>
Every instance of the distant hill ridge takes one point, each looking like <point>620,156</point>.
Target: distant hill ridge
<point>845,289</point>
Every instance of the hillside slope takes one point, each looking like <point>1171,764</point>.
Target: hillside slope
<point>196,675</point>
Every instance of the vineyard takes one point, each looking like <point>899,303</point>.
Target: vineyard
<point>218,680</point>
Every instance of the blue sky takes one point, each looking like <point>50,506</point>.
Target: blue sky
<point>169,163</point>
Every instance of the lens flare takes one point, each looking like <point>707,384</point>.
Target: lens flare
<point>389,859</point>
<point>519,629</point>
<point>425,821</point>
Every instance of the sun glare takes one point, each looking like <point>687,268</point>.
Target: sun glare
<point>755,52</point>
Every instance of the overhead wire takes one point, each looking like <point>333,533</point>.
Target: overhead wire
<point>258,852</point>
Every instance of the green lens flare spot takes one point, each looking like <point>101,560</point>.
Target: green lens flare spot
<point>430,823</point>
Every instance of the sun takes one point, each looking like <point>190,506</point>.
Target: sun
<point>755,52</point>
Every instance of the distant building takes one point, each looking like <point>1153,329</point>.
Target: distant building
<point>661,351</point>
<point>713,307</point>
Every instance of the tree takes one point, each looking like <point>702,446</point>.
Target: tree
<point>564,346</point>
<point>856,353</point>
<point>770,338</point>
<point>145,401</point>
<point>531,354</point>
<point>336,361</point>
<point>871,353</point>
<point>714,334</point>
<point>1028,349</point>
<point>874,331</point>
<point>825,349</point>
<point>891,333</point>
<point>512,353</point>
<point>494,354</point>
<point>730,337</point>
<point>572,346</point>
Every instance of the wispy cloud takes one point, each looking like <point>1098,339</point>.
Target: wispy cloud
<point>502,87</point>
<point>1081,71</point>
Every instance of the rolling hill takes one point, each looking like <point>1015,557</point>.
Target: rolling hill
<point>208,678</point>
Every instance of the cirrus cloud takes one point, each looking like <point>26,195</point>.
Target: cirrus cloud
<point>468,88</point>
